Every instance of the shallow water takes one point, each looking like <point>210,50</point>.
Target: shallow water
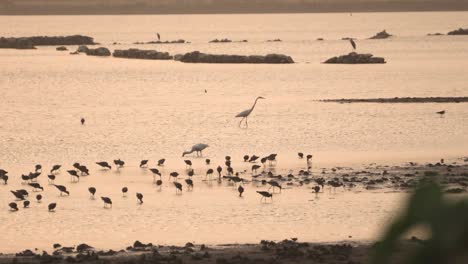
<point>152,109</point>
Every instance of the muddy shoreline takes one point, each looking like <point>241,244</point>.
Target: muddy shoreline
<point>286,251</point>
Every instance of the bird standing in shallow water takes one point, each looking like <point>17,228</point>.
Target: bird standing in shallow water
<point>104,164</point>
<point>139,197</point>
<point>107,201</point>
<point>246,113</point>
<point>265,195</point>
<point>124,191</point>
<point>62,189</point>
<point>38,198</point>
<point>196,148</point>
<point>13,207</point>
<point>178,187</point>
<point>143,163</point>
<point>92,191</point>
<point>52,207</point>
<point>240,189</point>
<point>26,204</point>
<point>441,113</point>
<point>189,184</point>
<point>82,121</point>
<point>161,162</point>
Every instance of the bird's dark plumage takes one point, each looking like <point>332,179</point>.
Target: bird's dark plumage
<point>139,197</point>
<point>104,164</point>
<point>13,206</point>
<point>143,163</point>
<point>62,189</point>
<point>52,206</point>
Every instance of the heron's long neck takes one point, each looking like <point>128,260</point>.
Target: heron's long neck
<point>253,106</point>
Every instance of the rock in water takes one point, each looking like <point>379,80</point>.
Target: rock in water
<point>101,51</point>
<point>61,48</point>
<point>31,42</point>
<point>381,35</point>
<point>198,57</point>
<point>460,31</point>
<point>142,54</point>
<point>356,58</point>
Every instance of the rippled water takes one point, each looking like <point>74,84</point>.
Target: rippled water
<point>139,109</point>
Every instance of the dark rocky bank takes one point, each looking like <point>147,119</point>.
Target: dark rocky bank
<point>31,42</point>
<point>356,58</point>
<point>142,54</point>
<point>198,57</point>
<point>402,100</point>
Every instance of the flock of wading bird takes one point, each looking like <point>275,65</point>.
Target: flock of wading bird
<point>225,173</point>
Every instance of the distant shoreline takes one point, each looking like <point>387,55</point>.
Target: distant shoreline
<point>235,8</point>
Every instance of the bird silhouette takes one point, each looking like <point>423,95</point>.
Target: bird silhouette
<point>246,158</point>
<point>255,167</point>
<point>119,163</point>
<point>300,155</point>
<point>161,162</point>
<point>178,187</point>
<point>139,197</point>
<point>274,184</point>
<point>52,207</point>
<point>189,183</point>
<point>107,201</point>
<point>55,168</point>
<point>240,189</point>
<point>265,195</point>
<point>26,204</point>
<point>38,168</point>
<point>441,113</point>
<point>143,163</point>
<point>62,189</point>
<point>18,195</point>
<point>207,161</point>
<point>4,178</point>
<point>198,148</point>
<point>174,175</point>
<point>51,178</point>
<point>104,164</point>
<point>82,121</point>
<point>253,158</point>
<point>13,207</point>
<point>188,163</point>
<point>244,114</point>
<point>92,191</point>
<point>209,173</point>
<point>73,174</point>
<point>36,186</point>
<point>124,191</point>
<point>38,198</point>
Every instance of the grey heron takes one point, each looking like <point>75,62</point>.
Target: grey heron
<point>246,113</point>
<point>196,148</point>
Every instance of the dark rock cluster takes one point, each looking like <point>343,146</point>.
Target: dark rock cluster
<point>31,42</point>
<point>142,54</point>
<point>460,31</point>
<point>198,57</point>
<point>356,58</point>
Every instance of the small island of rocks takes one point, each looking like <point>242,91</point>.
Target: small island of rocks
<point>355,58</point>
<point>198,57</point>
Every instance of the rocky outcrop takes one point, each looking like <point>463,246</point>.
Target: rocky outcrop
<point>61,48</point>
<point>179,41</point>
<point>274,40</point>
<point>82,48</point>
<point>31,42</point>
<point>381,35</point>
<point>220,40</point>
<point>198,57</point>
<point>356,58</point>
<point>142,54</point>
<point>16,43</point>
<point>101,51</point>
<point>402,100</point>
<point>460,31</point>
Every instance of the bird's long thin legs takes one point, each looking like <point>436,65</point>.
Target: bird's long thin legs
<point>241,121</point>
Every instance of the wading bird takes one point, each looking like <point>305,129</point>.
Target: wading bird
<point>124,191</point>
<point>274,184</point>
<point>189,183</point>
<point>62,189</point>
<point>107,201</point>
<point>198,148</point>
<point>253,158</point>
<point>161,162</point>
<point>73,173</point>
<point>265,195</point>
<point>174,175</point>
<point>82,121</point>
<point>178,187</point>
<point>300,155</point>
<point>188,163</point>
<point>13,206</point>
<point>92,191</point>
<point>246,158</point>
<point>441,113</point>
<point>38,198</point>
<point>139,197</point>
<point>104,164</point>
<point>52,207</point>
<point>51,178</point>
<point>240,189</point>
<point>246,113</point>
<point>26,204</point>
<point>143,163</point>
<point>36,186</point>
<point>55,168</point>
